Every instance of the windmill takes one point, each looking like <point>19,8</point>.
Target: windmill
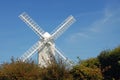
<point>45,46</point>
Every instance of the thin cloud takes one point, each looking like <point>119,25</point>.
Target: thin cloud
<point>108,18</point>
<point>88,13</point>
<point>83,35</point>
<point>100,25</point>
<point>77,36</point>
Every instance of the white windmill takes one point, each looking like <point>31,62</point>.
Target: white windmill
<point>45,46</point>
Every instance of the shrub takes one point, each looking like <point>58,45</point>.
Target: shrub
<point>87,70</point>
<point>18,70</point>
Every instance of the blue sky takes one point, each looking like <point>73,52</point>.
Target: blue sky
<point>97,26</point>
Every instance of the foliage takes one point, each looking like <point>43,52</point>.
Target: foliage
<point>106,66</point>
<point>18,70</point>
<point>110,63</point>
<point>57,70</point>
<point>87,70</point>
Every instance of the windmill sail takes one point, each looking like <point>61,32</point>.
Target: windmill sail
<point>61,56</point>
<point>63,26</point>
<point>32,24</point>
<point>31,51</point>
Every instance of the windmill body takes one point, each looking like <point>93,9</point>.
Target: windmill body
<point>45,46</point>
<point>47,53</point>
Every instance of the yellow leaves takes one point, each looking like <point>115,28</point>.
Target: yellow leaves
<point>84,72</point>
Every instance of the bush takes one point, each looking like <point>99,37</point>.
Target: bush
<point>18,70</point>
<point>87,70</point>
<point>56,71</point>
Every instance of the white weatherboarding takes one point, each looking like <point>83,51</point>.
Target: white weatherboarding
<point>45,46</point>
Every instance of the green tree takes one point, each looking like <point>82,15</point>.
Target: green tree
<point>110,63</point>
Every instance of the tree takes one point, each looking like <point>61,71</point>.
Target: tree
<point>110,63</point>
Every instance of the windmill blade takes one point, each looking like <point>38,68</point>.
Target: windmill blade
<point>31,51</point>
<point>63,57</point>
<point>63,26</point>
<point>32,24</point>
<point>58,51</point>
